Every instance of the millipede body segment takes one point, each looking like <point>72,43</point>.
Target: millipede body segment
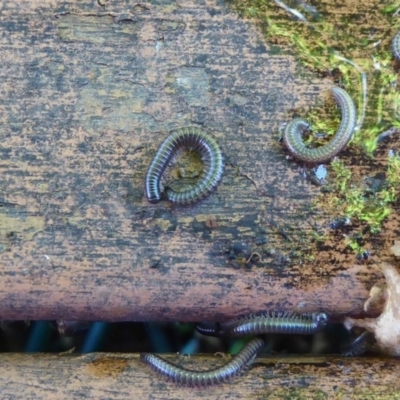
<point>190,138</point>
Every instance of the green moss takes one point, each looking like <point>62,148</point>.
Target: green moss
<point>351,51</point>
<point>354,244</point>
<point>353,200</point>
<point>343,175</point>
<point>390,8</point>
<point>336,41</point>
<point>393,172</point>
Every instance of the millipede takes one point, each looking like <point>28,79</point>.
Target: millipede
<point>273,322</point>
<point>294,130</point>
<point>208,329</point>
<point>187,377</point>
<point>265,323</point>
<point>285,323</point>
<point>192,139</point>
<point>396,46</point>
<point>358,345</point>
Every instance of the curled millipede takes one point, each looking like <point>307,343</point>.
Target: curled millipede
<point>286,323</point>
<point>292,136</point>
<point>205,378</point>
<point>190,138</point>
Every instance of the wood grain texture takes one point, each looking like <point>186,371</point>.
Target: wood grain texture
<point>87,95</point>
<point>105,376</point>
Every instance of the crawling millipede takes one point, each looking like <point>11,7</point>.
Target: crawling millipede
<point>205,378</point>
<point>274,322</point>
<point>191,138</point>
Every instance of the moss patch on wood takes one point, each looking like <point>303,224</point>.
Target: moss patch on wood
<point>351,43</point>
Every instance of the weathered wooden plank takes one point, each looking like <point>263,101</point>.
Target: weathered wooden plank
<point>88,93</point>
<point>124,376</point>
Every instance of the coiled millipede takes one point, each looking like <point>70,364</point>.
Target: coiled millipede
<point>194,139</point>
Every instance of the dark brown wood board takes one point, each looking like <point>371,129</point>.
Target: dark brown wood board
<point>112,376</point>
<point>88,92</point>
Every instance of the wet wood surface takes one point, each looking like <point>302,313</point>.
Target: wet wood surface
<point>124,376</point>
<point>88,94</point>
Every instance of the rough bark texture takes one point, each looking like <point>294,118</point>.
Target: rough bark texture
<point>106,376</point>
<point>88,92</point>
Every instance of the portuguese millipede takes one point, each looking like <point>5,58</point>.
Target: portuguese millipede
<point>190,138</point>
<point>208,329</point>
<point>274,322</point>
<point>396,46</point>
<point>292,136</point>
<point>286,323</point>
<point>188,377</point>
<point>358,345</point>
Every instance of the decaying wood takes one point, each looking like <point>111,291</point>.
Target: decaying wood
<point>87,94</point>
<point>124,376</point>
